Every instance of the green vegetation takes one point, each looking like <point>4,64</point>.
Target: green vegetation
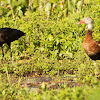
<point>52,47</point>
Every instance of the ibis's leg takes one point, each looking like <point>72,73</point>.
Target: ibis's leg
<point>95,65</point>
<point>10,51</point>
<point>2,54</point>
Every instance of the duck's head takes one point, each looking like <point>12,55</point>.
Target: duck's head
<point>88,21</point>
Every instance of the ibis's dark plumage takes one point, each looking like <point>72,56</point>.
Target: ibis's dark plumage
<point>8,35</point>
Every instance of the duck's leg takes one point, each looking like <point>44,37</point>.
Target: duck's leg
<point>95,65</point>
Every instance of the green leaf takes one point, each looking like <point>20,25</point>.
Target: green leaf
<point>48,6</point>
<point>50,37</point>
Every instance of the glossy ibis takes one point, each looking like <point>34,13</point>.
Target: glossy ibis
<point>91,47</point>
<point>8,35</point>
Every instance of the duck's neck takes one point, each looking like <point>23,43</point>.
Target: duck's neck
<point>89,32</point>
<point>90,26</point>
<point>88,37</point>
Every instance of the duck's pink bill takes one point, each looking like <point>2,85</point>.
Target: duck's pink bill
<point>81,22</point>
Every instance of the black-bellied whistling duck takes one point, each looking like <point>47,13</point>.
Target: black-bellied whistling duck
<point>8,35</point>
<point>91,47</point>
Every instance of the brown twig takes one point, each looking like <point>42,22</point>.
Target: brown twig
<point>9,6</point>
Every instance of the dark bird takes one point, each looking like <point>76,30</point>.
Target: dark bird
<point>91,47</point>
<point>8,35</point>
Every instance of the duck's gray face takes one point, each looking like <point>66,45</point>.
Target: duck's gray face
<point>87,20</point>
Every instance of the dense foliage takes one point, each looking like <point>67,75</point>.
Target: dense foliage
<point>52,46</point>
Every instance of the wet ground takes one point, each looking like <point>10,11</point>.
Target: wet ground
<point>35,83</point>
